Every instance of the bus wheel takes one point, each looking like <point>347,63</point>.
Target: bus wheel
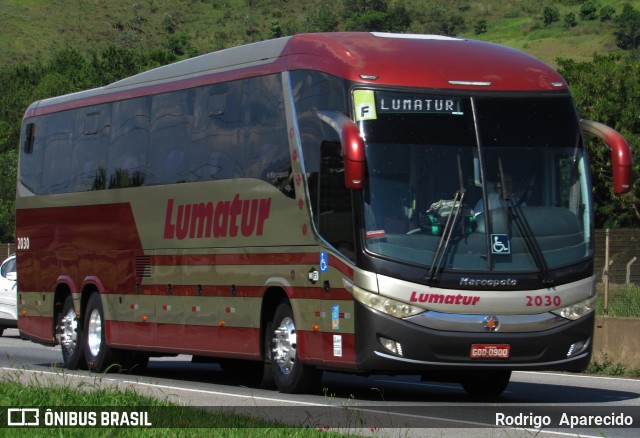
<point>70,335</point>
<point>289,374</point>
<point>487,383</point>
<point>97,353</point>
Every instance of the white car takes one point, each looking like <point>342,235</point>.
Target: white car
<point>8,294</point>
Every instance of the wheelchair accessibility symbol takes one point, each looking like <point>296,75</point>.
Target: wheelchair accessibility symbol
<point>500,244</point>
<point>324,262</point>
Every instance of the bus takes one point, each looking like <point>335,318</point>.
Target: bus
<point>366,203</point>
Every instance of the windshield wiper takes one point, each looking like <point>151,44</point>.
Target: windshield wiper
<point>447,231</point>
<point>515,213</point>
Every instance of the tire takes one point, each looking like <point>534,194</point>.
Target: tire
<point>289,373</point>
<point>69,334</point>
<point>487,383</point>
<point>99,356</point>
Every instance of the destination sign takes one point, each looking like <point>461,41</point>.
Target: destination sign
<point>394,103</point>
<point>369,103</point>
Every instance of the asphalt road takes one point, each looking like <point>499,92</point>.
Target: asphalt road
<point>395,405</point>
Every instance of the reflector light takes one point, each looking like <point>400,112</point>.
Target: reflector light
<point>391,345</point>
<point>578,347</point>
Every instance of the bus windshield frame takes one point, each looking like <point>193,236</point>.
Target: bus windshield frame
<point>437,162</point>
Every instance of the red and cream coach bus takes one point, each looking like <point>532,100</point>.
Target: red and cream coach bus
<point>355,202</point>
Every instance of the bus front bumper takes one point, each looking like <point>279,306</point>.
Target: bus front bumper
<point>385,344</point>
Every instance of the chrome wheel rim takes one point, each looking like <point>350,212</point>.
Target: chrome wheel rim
<point>285,345</point>
<point>94,332</point>
<point>69,331</point>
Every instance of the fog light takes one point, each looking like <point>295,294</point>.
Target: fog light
<point>578,347</point>
<point>392,346</point>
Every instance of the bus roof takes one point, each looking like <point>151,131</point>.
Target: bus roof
<point>411,60</point>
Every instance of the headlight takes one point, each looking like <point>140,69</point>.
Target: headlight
<point>577,310</point>
<point>384,304</point>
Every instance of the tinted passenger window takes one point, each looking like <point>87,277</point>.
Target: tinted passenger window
<point>230,130</point>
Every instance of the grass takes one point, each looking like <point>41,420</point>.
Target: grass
<point>602,364</point>
<point>624,301</point>
<point>169,419</point>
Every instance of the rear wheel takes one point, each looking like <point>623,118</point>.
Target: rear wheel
<point>98,354</point>
<point>486,383</point>
<point>289,373</point>
<point>70,336</point>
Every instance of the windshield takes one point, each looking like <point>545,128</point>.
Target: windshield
<point>474,184</point>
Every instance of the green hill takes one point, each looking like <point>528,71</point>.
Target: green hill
<point>32,29</point>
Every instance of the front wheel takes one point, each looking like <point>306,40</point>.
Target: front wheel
<point>98,354</point>
<point>289,373</point>
<point>69,334</point>
<point>487,383</point>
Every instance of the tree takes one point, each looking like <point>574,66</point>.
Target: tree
<point>65,72</point>
<point>550,15</point>
<point>589,11</point>
<point>570,20</point>
<point>275,29</point>
<point>322,19</point>
<point>628,24</point>
<point>602,90</point>
<point>480,27</point>
<point>375,15</point>
<point>352,8</point>
<point>439,21</point>
<point>8,169</point>
<point>607,13</point>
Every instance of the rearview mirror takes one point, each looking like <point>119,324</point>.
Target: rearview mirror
<point>352,147</point>
<point>620,153</point>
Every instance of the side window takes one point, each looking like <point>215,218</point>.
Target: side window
<point>217,124</point>
<point>170,134</point>
<point>335,208</point>
<point>90,148</point>
<point>33,134</point>
<point>264,138</point>
<point>127,165</point>
<point>57,154</point>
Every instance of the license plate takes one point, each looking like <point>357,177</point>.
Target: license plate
<point>490,351</point>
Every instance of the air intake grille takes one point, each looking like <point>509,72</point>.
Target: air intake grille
<point>143,267</point>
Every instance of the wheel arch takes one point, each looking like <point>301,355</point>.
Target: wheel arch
<point>272,297</point>
<point>60,294</point>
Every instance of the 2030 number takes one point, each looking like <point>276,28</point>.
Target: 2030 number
<point>543,300</point>
<point>22,243</point>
